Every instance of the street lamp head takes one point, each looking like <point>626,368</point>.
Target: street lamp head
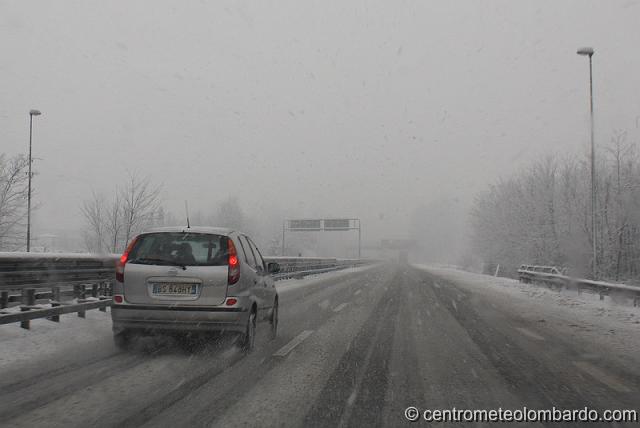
<point>35,112</point>
<point>585,51</point>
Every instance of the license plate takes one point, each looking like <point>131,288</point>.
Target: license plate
<point>175,289</point>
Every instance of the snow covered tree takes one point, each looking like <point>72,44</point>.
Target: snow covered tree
<point>543,215</point>
<point>111,223</point>
<point>13,201</point>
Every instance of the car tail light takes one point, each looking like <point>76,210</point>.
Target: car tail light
<point>123,261</point>
<point>231,301</point>
<point>118,298</point>
<point>234,263</point>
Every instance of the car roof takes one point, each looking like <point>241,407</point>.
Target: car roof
<point>194,229</point>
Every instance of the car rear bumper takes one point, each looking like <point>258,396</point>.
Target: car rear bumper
<point>173,318</point>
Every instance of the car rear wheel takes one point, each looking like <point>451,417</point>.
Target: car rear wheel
<point>249,337</point>
<point>274,321</point>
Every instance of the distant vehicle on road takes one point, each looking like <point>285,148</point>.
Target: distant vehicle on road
<point>196,279</point>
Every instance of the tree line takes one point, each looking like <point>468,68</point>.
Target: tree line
<point>13,201</point>
<point>542,215</point>
<point>112,220</point>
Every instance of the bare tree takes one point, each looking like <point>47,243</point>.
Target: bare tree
<point>13,195</point>
<point>110,224</point>
<point>140,201</point>
<point>229,214</point>
<point>115,223</point>
<point>95,234</point>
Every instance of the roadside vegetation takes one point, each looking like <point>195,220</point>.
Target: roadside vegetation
<point>543,214</point>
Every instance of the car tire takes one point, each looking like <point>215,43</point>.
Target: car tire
<point>274,321</point>
<point>121,340</point>
<point>249,337</point>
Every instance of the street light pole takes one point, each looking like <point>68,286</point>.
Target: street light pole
<point>31,114</point>
<point>284,222</point>
<point>594,266</point>
<point>359,240</point>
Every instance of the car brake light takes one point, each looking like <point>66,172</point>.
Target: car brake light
<point>231,301</point>
<point>123,261</point>
<point>118,298</point>
<point>234,263</point>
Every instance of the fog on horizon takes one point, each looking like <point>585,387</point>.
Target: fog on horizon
<point>395,113</point>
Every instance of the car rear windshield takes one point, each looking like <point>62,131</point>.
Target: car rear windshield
<point>180,248</point>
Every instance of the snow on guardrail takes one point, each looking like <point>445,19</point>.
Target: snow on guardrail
<point>74,283</point>
<point>550,275</point>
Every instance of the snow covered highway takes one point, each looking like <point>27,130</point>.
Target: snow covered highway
<point>355,348</point>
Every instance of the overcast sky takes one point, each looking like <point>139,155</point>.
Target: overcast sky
<point>324,108</point>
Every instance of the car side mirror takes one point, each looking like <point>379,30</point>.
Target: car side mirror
<point>273,267</point>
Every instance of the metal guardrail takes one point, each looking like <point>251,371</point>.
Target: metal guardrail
<point>85,280</point>
<point>551,276</point>
<point>18,270</point>
<point>541,269</point>
<point>54,280</point>
<point>297,267</point>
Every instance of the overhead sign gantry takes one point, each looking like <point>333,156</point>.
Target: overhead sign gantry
<point>321,225</point>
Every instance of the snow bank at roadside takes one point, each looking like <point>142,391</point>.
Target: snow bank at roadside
<point>595,326</point>
<point>46,336</point>
<point>292,284</point>
<point>615,309</point>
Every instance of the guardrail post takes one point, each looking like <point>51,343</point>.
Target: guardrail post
<point>29,299</point>
<point>82,313</point>
<point>103,295</point>
<point>601,293</point>
<point>94,290</point>
<point>4,299</point>
<point>103,308</point>
<point>55,301</point>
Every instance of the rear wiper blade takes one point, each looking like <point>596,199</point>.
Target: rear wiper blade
<point>152,261</point>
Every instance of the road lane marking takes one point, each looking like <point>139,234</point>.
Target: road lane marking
<point>357,292</point>
<point>340,307</point>
<point>358,379</point>
<point>529,333</point>
<point>611,381</point>
<point>282,352</point>
<point>352,398</point>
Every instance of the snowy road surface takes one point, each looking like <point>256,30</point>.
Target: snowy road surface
<point>354,349</point>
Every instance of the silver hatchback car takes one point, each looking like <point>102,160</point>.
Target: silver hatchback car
<point>193,280</point>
